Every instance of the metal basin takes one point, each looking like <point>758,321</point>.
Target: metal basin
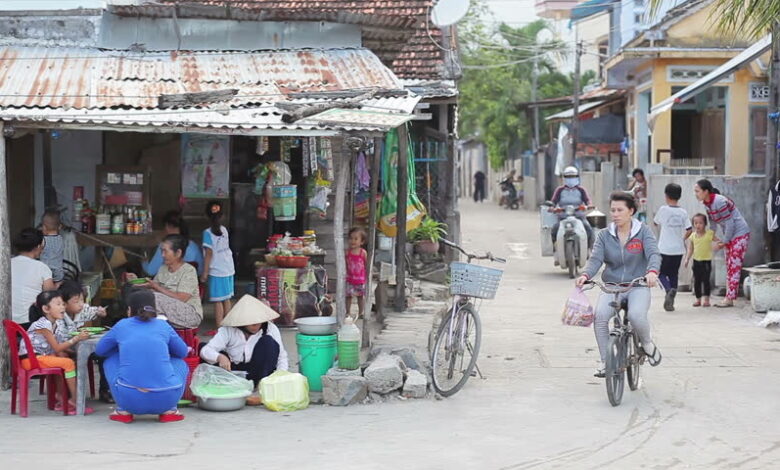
<point>222,404</point>
<point>317,325</point>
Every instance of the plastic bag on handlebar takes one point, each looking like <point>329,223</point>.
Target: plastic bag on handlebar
<point>577,311</point>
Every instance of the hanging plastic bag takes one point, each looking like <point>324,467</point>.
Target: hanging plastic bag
<point>577,311</point>
<point>285,391</point>
<point>215,382</point>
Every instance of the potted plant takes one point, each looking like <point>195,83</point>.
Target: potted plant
<point>426,237</point>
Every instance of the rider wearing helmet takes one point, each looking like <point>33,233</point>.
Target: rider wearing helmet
<point>571,194</point>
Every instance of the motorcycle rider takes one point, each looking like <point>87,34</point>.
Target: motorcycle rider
<point>508,191</point>
<point>571,194</point>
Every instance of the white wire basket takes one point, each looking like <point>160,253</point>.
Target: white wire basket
<point>473,280</point>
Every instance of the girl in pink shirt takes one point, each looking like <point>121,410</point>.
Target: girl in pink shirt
<point>356,268</point>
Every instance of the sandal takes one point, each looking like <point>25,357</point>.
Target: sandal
<point>725,304</point>
<point>600,373</point>
<point>171,417</point>
<point>72,409</point>
<point>697,303</point>
<point>655,358</point>
<point>126,418</point>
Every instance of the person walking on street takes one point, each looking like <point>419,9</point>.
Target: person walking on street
<point>735,234</point>
<point>700,249</point>
<point>675,229</point>
<point>479,186</point>
<point>638,187</point>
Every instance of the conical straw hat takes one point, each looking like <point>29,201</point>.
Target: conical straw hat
<point>249,311</point>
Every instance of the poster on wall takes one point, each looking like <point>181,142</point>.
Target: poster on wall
<point>205,161</point>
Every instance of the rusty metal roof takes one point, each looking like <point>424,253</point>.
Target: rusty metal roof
<point>123,88</point>
<point>405,42</point>
<point>94,79</point>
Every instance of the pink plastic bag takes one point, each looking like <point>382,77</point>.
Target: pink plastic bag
<point>577,311</point>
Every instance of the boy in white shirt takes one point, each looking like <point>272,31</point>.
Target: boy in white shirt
<point>675,228</point>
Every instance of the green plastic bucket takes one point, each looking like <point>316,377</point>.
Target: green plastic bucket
<point>316,354</point>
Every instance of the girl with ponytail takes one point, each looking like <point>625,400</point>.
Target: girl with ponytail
<point>218,267</point>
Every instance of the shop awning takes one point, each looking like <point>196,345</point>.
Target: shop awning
<point>744,58</point>
<point>569,113</point>
<point>589,8</point>
<point>99,89</point>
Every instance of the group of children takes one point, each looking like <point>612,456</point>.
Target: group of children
<point>55,318</point>
<point>682,239</point>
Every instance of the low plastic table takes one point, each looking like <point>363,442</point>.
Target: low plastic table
<point>84,349</point>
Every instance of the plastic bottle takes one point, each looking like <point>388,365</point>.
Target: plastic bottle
<point>349,345</point>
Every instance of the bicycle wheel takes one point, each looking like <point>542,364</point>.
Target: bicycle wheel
<point>634,362</point>
<point>455,355</point>
<point>615,368</point>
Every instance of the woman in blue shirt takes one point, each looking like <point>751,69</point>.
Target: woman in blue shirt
<point>144,363</point>
<point>176,225</point>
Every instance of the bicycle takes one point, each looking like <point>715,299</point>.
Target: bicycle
<point>460,332</point>
<point>624,354</point>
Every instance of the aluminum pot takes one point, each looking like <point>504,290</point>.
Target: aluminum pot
<point>317,326</point>
<point>222,404</point>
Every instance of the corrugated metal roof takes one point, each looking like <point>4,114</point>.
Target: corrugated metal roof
<point>569,113</point>
<point>89,86</point>
<point>94,79</point>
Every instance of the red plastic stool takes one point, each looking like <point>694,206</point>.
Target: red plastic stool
<point>190,338</point>
<point>192,364</point>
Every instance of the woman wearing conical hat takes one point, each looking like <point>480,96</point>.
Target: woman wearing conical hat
<point>248,341</point>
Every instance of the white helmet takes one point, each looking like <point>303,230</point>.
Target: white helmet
<point>571,172</point>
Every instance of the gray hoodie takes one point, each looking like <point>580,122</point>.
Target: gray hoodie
<point>639,256</point>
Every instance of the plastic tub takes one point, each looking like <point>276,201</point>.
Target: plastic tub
<point>317,354</point>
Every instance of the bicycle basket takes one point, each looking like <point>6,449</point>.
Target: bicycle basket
<point>474,280</point>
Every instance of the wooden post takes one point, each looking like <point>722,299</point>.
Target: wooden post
<point>772,240</point>
<point>5,265</point>
<point>575,122</point>
<point>400,221</point>
<point>342,172</point>
<point>375,160</point>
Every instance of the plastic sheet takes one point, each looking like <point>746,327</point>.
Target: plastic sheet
<point>215,382</point>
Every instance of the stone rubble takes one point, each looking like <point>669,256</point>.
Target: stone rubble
<point>385,374</point>
<point>416,385</point>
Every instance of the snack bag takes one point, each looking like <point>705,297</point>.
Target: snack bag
<point>577,311</point>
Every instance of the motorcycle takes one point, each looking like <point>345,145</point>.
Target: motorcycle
<point>571,245</point>
<point>509,197</point>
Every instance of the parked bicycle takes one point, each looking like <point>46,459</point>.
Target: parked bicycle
<point>458,339</point>
<point>624,353</point>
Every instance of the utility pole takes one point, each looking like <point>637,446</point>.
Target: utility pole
<point>534,91</point>
<point>575,122</point>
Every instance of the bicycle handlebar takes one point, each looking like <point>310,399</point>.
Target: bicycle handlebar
<point>617,287</point>
<point>471,256</point>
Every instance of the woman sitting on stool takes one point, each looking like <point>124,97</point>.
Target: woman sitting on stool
<point>144,363</point>
<point>248,341</point>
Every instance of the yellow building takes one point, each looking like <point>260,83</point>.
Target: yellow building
<point>697,98</point>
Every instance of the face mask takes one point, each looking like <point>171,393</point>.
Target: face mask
<point>571,182</point>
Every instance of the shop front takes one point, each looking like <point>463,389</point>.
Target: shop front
<point>131,137</point>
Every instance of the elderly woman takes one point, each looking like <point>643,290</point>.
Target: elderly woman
<point>144,363</point>
<point>175,224</point>
<point>175,286</point>
<point>248,341</point>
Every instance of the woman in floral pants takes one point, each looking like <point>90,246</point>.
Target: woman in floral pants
<point>736,234</point>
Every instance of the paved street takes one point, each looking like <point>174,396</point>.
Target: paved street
<point>711,404</point>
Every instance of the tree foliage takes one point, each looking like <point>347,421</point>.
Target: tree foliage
<point>497,77</point>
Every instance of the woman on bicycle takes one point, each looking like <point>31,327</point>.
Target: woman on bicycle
<point>628,250</point>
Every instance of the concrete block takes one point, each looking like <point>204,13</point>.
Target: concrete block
<point>416,385</point>
<point>434,292</point>
<point>384,374</point>
<point>336,372</point>
<point>344,390</point>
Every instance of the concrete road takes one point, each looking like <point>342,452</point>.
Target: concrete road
<point>711,404</point>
